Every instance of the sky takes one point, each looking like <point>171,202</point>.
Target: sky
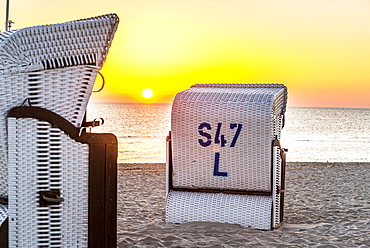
<point>319,49</point>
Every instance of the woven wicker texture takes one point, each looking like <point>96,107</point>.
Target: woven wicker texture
<point>246,210</point>
<point>54,67</point>
<point>42,157</point>
<point>79,42</point>
<point>3,213</point>
<point>277,180</point>
<point>222,135</point>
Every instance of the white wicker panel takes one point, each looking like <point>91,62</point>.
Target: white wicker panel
<point>11,95</point>
<point>44,158</point>
<point>6,34</point>
<point>3,213</point>
<point>75,192</point>
<point>79,42</point>
<point>23,185</point>
<point>246,210</point>
<point>65,91</point>
<point>243,162</point>
<point>277,185</point>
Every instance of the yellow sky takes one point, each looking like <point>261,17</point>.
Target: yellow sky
<point>318,48</point>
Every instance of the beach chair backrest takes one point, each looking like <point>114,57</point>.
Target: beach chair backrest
<point>222,135</point>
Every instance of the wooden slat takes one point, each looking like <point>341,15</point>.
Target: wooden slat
<point>4,234</point>
<point>96,195</point>
<point>224,191</point>
<point>111,195</point>
<point>58,121</point>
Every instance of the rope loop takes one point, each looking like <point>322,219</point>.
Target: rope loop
<point>96,91</point>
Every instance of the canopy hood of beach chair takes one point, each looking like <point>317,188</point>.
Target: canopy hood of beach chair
<point>79,42</point>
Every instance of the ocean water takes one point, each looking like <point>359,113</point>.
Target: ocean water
<point>327,135</point>
<point>310,134</point>
<point>141,129</point>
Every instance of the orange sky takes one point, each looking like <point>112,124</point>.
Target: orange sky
<point>318,48</point>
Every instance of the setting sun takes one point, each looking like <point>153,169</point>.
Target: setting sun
<point>147,93</point>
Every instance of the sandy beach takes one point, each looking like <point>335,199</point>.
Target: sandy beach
<point>326,205</point>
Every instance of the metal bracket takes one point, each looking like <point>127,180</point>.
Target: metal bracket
<point>49,197</point>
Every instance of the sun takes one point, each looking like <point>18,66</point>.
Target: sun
<point>147,93</point>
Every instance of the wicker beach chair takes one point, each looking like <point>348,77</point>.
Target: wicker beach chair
<point>224,160</point>
<point>53,67</point>
<point>60,181</point>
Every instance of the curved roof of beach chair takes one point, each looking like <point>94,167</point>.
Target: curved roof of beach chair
<point>80,42</point>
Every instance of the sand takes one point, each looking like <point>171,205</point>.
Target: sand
<point>326,205</point>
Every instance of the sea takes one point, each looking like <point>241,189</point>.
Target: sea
<point>310,134</point>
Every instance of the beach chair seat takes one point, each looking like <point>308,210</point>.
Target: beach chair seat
<point>53,67</point>
<point>225,163</point>
<point>62,182</point>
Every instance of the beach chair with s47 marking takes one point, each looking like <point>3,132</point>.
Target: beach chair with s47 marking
<point>224,160</point>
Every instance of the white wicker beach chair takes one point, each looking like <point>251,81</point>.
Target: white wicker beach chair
<point>62,182</point>
<point>224,161</point>
<point>53,67</point>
